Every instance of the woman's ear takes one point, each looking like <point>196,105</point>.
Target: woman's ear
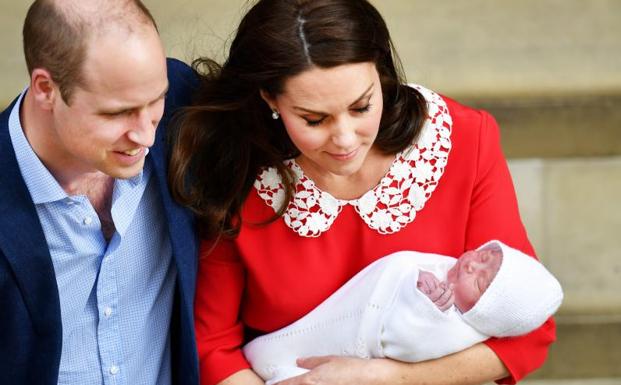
<point>271,102</point>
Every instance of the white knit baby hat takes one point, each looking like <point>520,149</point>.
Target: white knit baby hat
<point>522,296</point>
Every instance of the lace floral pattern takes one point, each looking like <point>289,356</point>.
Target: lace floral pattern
<point>387,208</point>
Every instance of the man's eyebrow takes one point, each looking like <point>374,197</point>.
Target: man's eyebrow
<point>163,94</point>
<point>364,94</point>
<point>122,109</point>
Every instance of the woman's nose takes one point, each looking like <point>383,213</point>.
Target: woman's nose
<point>344,134</point>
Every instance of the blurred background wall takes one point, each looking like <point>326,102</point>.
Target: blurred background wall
<point>549,71</point>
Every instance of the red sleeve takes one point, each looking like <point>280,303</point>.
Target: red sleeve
<point>219,331</point>
<point>494,215</point>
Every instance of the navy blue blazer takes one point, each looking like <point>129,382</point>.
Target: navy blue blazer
<point>30,322</point>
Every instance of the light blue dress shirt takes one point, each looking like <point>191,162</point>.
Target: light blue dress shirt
<point>115,298</point>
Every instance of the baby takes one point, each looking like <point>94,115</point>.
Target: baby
<point>401,307</point>
<point>470,277</point>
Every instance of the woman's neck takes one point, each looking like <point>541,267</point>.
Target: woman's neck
<point>348,187</point>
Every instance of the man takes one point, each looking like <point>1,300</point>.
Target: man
<point>97,263</point>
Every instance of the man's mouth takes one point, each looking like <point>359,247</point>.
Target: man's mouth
<point>132,152</point>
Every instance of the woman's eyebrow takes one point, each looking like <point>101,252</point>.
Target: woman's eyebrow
<point>364,94</point>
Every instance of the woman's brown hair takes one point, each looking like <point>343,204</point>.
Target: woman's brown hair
<point>228,136</point>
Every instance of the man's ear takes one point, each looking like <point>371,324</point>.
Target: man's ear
<point>43,88</point>
<point>268,99</point>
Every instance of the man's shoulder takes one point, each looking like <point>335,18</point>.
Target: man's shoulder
<point>178,68</point>
<point>4,116</point>
<point>5,139</point>
<point>183,81</point>
<point>182,84</point>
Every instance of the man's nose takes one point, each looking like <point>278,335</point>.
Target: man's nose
<point>143,129</point>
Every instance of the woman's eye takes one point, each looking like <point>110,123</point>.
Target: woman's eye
<point>363,109</point>
<point>312,123</point>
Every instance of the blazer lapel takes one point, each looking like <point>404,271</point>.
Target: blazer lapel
<point>22,240</point>
<point>180,222</point>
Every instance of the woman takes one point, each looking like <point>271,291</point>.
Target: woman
<point>306,159</point>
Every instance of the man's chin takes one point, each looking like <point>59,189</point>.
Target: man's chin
<point>125,172</point>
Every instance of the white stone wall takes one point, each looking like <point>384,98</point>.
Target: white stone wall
<point>474,47</point>
<point>572,211</point>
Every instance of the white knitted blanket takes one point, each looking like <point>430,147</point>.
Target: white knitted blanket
<point>378,313</point>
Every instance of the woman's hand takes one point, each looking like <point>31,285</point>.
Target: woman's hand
<point>475,365</point>
<point>335,370</point>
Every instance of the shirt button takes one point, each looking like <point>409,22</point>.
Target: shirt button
<point>87,220</point>
<point>107,311</point>
<point>114,369</point>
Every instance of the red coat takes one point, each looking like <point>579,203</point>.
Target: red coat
<point>270,276</point>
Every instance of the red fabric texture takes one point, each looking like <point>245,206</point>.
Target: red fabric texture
<point>269,276</point>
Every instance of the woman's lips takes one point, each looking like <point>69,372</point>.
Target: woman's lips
<point>344,156</point>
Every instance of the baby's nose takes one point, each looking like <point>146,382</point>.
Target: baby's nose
<point>473,266</point>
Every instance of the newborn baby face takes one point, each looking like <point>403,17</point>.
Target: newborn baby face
<point>472,274</point>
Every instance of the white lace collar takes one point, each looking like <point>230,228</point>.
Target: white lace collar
<point>387,208</point>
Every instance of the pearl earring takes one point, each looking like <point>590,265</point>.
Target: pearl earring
<point>275,115</point>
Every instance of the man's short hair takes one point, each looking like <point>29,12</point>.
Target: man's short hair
<point>56,36</point>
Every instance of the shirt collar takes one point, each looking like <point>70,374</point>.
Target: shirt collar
<point>42,185</point>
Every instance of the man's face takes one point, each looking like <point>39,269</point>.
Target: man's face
<point>472,274</point>
<point>111,119</point>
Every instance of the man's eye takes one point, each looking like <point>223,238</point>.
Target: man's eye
<point>116,113</point>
